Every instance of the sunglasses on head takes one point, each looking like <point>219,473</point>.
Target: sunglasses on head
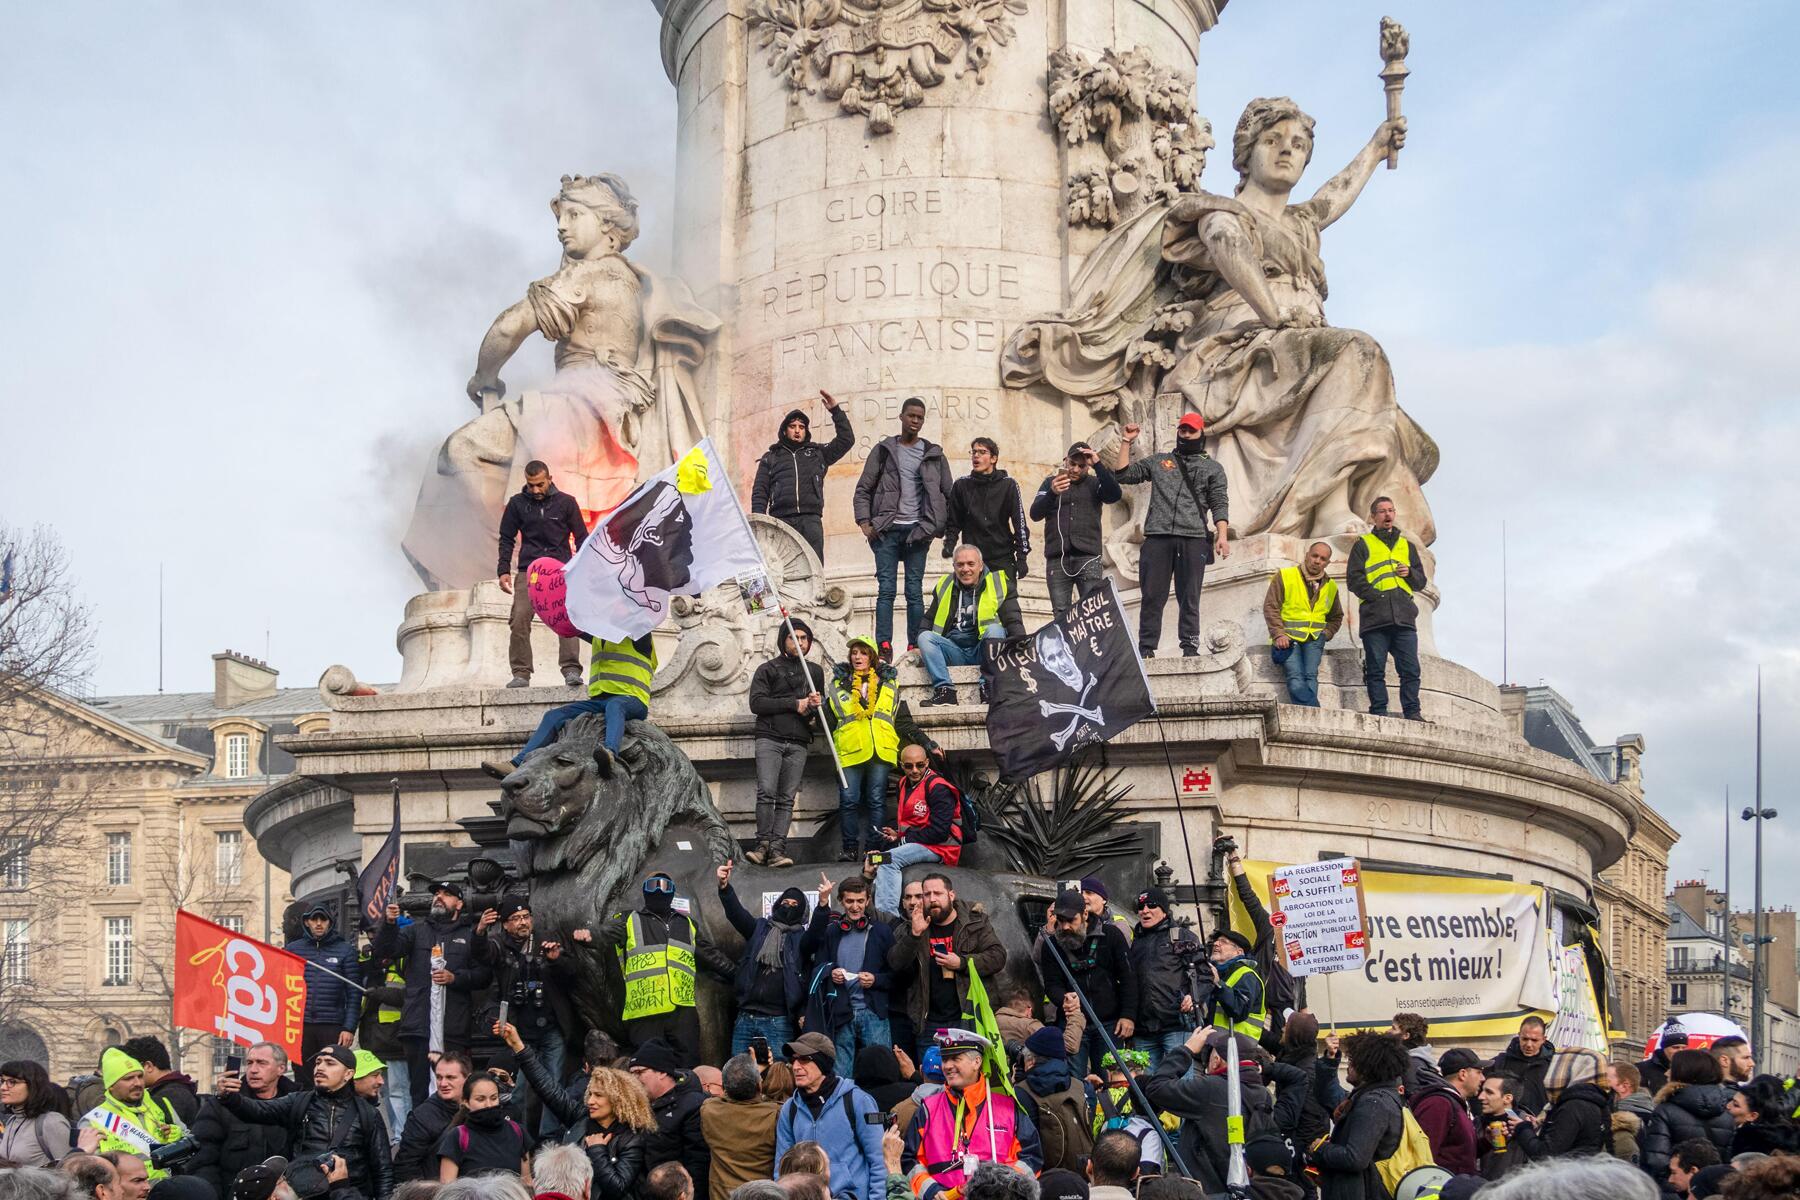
<point>659,883</point>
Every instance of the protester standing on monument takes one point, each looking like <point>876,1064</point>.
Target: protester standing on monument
<point>785,695</point>
<point>790,476</point>
<point>331,971</point>
<point>1185,486</point>
<point>928,820</point>
<point>1165,1002</point>
<point>943,941</point>
<point>543,523</point>
<point>619,675</point>
<point>987,513</point>
<point>442,973</point>
<point>535,980</point>
<point>1302,612</point>
<point>901,502</point>
<point>856,943</point>
<point>1099,957</point>
<point>863,698</point>
<point>969,606</point>
<point>659,950</point>
<point>1069,504</point>
<point>1383,573</point>
<point>771,974</point>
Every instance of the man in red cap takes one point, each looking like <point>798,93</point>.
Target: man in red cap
<point>1185,485</point>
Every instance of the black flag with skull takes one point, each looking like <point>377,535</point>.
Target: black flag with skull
<point>1074,682</point>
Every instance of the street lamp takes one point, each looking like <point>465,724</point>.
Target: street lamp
<point>1757,939</point>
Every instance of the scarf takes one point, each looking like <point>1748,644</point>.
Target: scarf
<point>864,688</point>
<point>772,954</point>
<point>485,1120</point>
<point>1188,447</point>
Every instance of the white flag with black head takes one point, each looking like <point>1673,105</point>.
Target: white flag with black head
<point>681,532</point>
<point>1074,682</point>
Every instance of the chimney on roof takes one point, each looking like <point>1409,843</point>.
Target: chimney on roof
<point>238,679</point>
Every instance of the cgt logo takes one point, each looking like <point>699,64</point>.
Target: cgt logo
<point>237,988</point>
<point>252,1008</point>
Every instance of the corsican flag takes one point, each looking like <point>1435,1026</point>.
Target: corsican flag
<point>678,534</point>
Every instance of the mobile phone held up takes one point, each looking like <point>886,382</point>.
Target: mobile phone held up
<point>234,1064</point>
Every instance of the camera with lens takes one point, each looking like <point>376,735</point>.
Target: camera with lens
<point>170,1155</point>
<point>1225,844</point>
<point>1187,951</point>
<point>527,993</point>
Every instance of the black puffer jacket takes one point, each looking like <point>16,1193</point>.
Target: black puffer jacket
<point>417,1156</point>
<point>1765,1137</point>
<point>341,1122</point>
<point>790,478</point>
<point>1529,1071</point>
<point>1368,1132</point>
<point>774,690</point>
<point>1683,1111</point>
<point>1579,1122</point>
<point>1161,979</point>
<point>678,1137</point>
<point>1202,1102</point>
<point>228,1143</point>
<point>619,1168</point>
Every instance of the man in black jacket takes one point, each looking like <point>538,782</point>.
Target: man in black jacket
<point>1069,504</point>
<point>1165,1001</point>
<point>675,1100</point>
<point>331,1117</point>
<point>1384,572</point>
<point>785,694</point>
<point>1201,1097</point>
<point>986,513</point>
<point>460,973</point>
<point>227,1142</point>
<point>545,523</point>
<point>1527,1059</point>
<point>790,476</point>
<point>417,1157</point>
<point>534,980</point>
<point>1100,959</point>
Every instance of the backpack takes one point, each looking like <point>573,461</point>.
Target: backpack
<point>1062,1127</point>
<point>971,819</point>
<point>1413,1152</point>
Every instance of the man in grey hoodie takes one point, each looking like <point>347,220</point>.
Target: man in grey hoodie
<point>902,502</point>
<point>1185,485</point>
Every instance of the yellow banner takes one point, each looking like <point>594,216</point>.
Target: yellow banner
<point>1469,955</point>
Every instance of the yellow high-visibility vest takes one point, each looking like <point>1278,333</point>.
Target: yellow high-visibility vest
<point>1257,1022</point>
<point>995,587</point>
<point>387,1014</point>
<point>617,669</point>
<point>1304,619</point>
<point>861,738</point>
<point>1382,561</point>
<point>659,976</point>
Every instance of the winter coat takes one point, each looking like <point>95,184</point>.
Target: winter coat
<point>741,1134</point>
<point>790,477</point>
<point>1531,1097</point>
<point>1683,1111</point>
<point>678,1137</point>
<point>417,1156</point>
<point>1161,977</point>
<point>986,513</point>
<point>542,528</point>
<point>1047,1089</point>
<point>1579,1122</point>
<point>228,1143</point>
<point>1765,1137</point>
<point>834,1119</point>
<point>1625,1129</point>
<point>341,1122</point>
<point>824,934</point>
<point>1393,607</point>
<point>1281,988</point>
<point>619,1168</point>
<point>1201,1101</point>
<point>1369,1131</point>
<point>877,498</point>
<point>1102,968</point>
<point>1444,1116</point>
<point>378,1037</point>
<point>329,1001</point>
<point>1238,1001</point>
<point>1072,524</point>
<point>1653,1072</point>
<point>1322,1094</point>
<point>412,945</point>
<point>1018,1027</point>
<point>40,1141</point>
<point>754,929</point>
<point>971,935</point>
<point>775,688</point>
<point>513,961</point>
<point>179,1094</point>
<point>1183,489</point>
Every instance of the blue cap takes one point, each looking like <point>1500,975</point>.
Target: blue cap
<point>932,1065</point>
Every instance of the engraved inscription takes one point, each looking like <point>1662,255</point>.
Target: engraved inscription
<point>921,278</point>
<point>841,343</point>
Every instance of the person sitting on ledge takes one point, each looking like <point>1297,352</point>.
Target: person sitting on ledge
<point>619,675</point>
<point>968,606</point>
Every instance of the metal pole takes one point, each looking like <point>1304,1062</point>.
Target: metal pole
<point>1756,971</point>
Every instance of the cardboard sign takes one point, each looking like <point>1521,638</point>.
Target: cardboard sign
<point>1319,909</point>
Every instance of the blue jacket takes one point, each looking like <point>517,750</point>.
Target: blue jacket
<point>821,941</point>
<point>753,929</point>
<point>329,1001</point>
<point>851,1143</point>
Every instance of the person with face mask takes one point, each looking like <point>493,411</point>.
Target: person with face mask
<point>790,476</point>
<point>659,952</point>
<point>1185,485</point>
<point>443,972</point>
<point>771,975</point>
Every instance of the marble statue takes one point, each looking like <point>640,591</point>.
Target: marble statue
<point>621,406</point>
<point>1215,304</point>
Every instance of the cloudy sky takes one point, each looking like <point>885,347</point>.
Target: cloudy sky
<point>249,250</point>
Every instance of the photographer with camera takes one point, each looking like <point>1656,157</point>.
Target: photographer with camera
<point>532,981</point>
<point>1069,504</point>
<point>1161,956</point>
<point>133,1122</point>
<point>329,1120</point>
<point>1100,960</point>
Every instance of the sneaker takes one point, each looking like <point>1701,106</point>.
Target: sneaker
<point>939,696</point>
<point>887,652</point>
<point>778,855</point>
<point>1190,654</point>
<point>1146,654</point>
<point>848,855</point>
<point>518,681</point>
<point>572,678</point>
<point>760,855</point>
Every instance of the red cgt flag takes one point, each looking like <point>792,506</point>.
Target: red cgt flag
<point>235,987</point>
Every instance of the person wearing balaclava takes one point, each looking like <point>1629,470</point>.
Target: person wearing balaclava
<point>660,948</point>
<point>1185,485</point>
<point>771,985</point>
<point>790,476</point>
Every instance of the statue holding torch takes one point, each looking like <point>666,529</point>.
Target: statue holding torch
<point>1394,45</point>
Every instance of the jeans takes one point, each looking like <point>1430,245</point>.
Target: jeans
<point>1403,644</point>
<point>518,646</point>
<point>618,710</point>
<point>940,652</point>
<point>549,1049</point>
<point>1162,559</point>
<point>1158,1044</point>
<point>779,766</point>
<point>891,551</point>
<point>810,529</point>
<point>864,1029</point>
<point>1302,667</point>
<point>396,1097</point>
<point>779,1031</point>
<point>1065,589</point>
<point>860,803</point>
<point>890,875</point>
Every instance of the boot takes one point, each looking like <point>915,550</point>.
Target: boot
<point>778,855</point>
<point>760,855</point>
<point>940,695</point>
